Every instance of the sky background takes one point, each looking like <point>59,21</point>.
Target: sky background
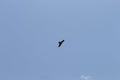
<point>30,30</point>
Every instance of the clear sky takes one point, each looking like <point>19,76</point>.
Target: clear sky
<point>30,30</point>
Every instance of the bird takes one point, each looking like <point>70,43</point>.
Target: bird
<point>60,43</point>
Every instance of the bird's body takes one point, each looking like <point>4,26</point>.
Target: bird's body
<point>60,43</point>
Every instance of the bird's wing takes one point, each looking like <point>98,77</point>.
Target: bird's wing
<point>62,41</point>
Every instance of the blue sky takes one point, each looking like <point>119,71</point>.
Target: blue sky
<point>30,30</point>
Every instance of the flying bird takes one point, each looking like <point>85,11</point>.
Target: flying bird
<point>60,43</point>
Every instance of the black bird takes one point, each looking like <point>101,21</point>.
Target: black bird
<point>60,43</point>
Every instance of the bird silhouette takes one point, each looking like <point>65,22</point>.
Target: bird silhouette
<point>60,43</point>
